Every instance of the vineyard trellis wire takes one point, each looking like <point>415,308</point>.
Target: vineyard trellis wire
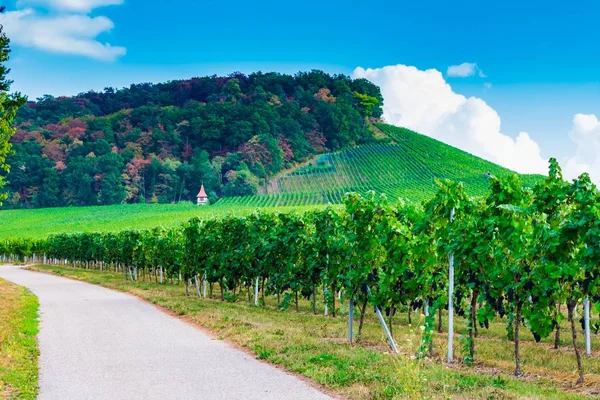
<point>519,254</point>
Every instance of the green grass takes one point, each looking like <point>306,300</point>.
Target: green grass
<point>315,347</point>
<point>39,223</point>
<point>407,167</point>
<point>18,345</point>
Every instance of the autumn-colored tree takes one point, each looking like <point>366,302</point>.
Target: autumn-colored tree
<point>325,95</point>
<point>205,126</point>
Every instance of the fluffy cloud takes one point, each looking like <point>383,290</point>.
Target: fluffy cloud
<point>585,133</point>
<point>68,30</point>
<point>464,70</point>
<point>69,34</point>
<point>423,101</point>
<point>79,6</point>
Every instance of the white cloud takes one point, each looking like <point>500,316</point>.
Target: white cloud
<point>79,6</point>
<point>585,133</point>
<point>487,85</point>
<point>465,70</point>
<point>69,34</point>
<point>423,101</point>
<point>66,30</point>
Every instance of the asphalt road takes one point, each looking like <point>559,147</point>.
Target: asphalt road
<point>96,343</point>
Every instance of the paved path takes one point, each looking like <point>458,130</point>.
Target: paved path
<point>97,344</point>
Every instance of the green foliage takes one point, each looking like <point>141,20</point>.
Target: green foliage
<point>519,252</point>
<point>241,183</point>
<point>9,104</point>
<point>162,141</point>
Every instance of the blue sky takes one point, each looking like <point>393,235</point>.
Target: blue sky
<point>538,60</point>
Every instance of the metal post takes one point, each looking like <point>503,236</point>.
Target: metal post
<point>384,326</point>
<point>450,298</point>
<point>350,320</point>
<point>197,285</point>
<point>326,293</point>
<point>588,341</point>
<point>256,292</point>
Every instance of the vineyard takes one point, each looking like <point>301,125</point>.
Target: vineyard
<point>406,166</point>
<point>527,257</point>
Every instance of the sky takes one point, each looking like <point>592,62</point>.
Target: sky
<point>513,82</point>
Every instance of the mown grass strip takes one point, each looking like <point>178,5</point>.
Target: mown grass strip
<point>315,347</point>
<point>18,343</point>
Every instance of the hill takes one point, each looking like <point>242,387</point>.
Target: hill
<point>402,164</point>
<point>159,142</point>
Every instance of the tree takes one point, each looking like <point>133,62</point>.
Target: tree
<point>49,193</point>
<point>9,105</point>
<point>241,183</point>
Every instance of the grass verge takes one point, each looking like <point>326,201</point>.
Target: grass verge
<point>18,344</point>
<point>315,347</point>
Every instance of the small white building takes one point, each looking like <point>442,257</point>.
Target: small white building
<point>202,197</point>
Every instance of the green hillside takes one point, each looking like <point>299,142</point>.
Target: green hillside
<point>405,165</point>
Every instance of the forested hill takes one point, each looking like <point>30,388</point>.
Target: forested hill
<point>159,142</point>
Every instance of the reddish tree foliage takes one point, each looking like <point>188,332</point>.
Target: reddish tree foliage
<point>136,165</point>
<point>316,140</point>
<point>325,95</point>
<point>54,129</point>
<point>133,177</point>
<point>37,136</point>
<point>54,151</point>
<point>230,175</point>
<point>145,141</point>
<point>75,133</point>
<point>77,123</point>
<point>97,135</point>
<point>186,154</point>
<point>19,136</point>
<point>288,153</point>
<point>60,166</point>
<point>124,126</point>
<point>256,151</point>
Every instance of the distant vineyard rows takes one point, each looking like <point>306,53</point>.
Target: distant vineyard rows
<point>405,168</point>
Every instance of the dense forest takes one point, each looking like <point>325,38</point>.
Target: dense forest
<point>159,142</point>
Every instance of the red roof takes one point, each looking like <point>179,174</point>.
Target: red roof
<point>202,192</point>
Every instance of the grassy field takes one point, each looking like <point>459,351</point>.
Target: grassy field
<point>315,346</point>
<point>18,345</point>
<point>39,223</point>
